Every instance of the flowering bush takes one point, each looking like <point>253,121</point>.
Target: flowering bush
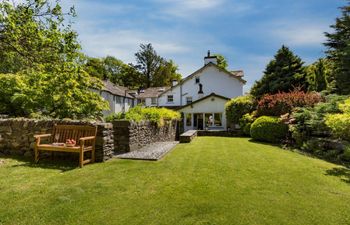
<point>282,103</point>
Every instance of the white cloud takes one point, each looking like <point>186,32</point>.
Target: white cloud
<point>300,34</point>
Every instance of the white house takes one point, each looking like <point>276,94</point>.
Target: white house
<point>118,98</point>
<point>149,97</point>
<point>201,96</point>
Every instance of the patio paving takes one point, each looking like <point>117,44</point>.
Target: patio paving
<point>154,151</point>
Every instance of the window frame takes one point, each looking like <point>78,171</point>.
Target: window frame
<point>155,101</point>
<point>172,99</point>
<point>187,101</point>
<point>197,80</point>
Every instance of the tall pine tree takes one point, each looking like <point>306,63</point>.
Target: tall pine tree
<point>284,73</point>
<point>338,44</point>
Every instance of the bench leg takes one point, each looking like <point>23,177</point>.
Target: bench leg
<point>81,159</point>
<point>36,155</point>
<point>93,157</point>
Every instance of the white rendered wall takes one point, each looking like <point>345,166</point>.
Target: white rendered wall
<point>212,80</point>
<point>209,105</point>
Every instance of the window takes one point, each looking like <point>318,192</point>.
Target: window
<point>188,119</point>
<point>188,100</point>
<point>153,101</point>
<point>141,101</point>
<point>197,80</point>
<point>209,120</point>
<point>170,98</point>
<point>218,119</point>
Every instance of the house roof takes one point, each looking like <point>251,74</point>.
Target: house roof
<point>236,74</point>
<point>152,92</point>
<point>205,97</point>
<point>115,89</point>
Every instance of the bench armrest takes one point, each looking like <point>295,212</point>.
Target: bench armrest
<point>42,135</point>
<point>83,139</point>
<point>87,138</point>
<point>39,136</point>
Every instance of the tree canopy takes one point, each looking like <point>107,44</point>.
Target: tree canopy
<point>222,61</point>
<point>114,70</point>
<point>155,69</point>
<point>283,74</point>
<point>320,76</point>
<point>338,45</point>
<point>40,57</point>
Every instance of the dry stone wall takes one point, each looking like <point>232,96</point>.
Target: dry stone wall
<point>131,136</point>
<point>17,136</point>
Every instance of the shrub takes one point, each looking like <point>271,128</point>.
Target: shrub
<point>310,121</point>
<point>245,123</point>
<point>152,114</point>
<point>339,123</point>
<point>282,103</point>
<point>237,107</point>
<point>346,154</point>
<point>269,129</point>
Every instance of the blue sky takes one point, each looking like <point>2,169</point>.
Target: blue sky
<point>247,32</point>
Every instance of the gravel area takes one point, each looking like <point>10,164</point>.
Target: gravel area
<point>154,151</point>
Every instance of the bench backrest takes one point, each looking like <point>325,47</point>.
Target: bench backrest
<point>73,132</point>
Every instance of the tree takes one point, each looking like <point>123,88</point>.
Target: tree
<point>42,53</point>
<point>283,74</point>
<point>338,45</point>
<point>114,70</point>
<point>96,67</point>
<point>166,73</point>
<point>222,62</point>
<point>155,69</point>
<point>121,73</point>
<point>319,76</point>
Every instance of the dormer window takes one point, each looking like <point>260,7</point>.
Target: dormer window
<point>197,80</point>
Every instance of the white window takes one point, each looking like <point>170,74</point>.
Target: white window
<point>188,100</point>
<point>154,101</point>
<point>218,119</point>
<point>170,98</point>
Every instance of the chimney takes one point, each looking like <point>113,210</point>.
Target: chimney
<point>174,83</point>
<point>210,59</point>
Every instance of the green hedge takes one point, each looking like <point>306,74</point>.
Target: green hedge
<point>237,107</point>
<point>139,113</point>
<point>269,129</point>
<point>246,122</point>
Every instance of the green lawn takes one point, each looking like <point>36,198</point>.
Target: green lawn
<point>210,181</point>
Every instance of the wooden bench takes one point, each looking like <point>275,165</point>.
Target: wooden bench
<point>84,135</point>
<point>188,136</point>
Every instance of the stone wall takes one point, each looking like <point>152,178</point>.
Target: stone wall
<point>17,136</point>
<point>131,136</point>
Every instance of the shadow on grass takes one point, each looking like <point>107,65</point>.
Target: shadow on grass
<point>342,173</point>
<point>63,165</point>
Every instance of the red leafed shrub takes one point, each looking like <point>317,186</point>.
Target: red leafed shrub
<point>282,103</point>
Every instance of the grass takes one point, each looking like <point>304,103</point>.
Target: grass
<point>210,181</point>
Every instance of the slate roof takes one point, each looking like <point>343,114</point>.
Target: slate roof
<point>116,89</point>
<point>152,92</point>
